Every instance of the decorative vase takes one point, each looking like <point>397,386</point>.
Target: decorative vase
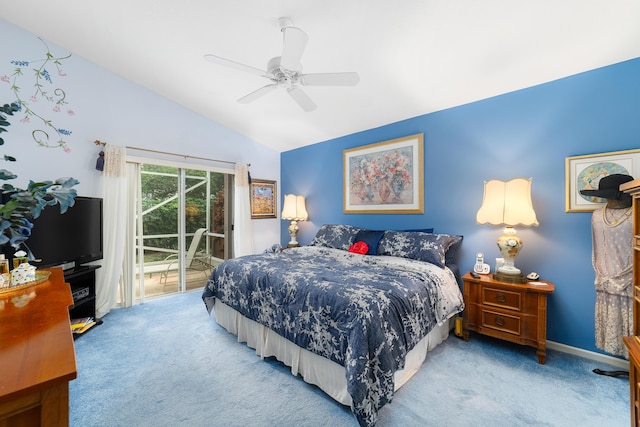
<point>384,191</point>
<point>397,184</point>
<point>361,191</point>
<point>370,194</point>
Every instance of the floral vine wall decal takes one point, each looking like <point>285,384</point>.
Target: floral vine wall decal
<point>46,134</point>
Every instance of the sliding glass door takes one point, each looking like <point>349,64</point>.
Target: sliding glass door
<point>183,226</point>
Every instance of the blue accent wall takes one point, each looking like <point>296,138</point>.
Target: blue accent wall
<point>526,133</point>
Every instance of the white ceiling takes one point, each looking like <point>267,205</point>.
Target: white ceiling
<point>413,56</point>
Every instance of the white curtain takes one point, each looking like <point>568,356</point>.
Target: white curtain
<point>128,282</point>
<point>242,231</point>
<point>114,190</point>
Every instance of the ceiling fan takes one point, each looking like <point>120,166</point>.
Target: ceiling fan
<point>285,71</point>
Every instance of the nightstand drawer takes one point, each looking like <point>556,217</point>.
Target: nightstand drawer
<point>501,322</point>
<point>501,298</point>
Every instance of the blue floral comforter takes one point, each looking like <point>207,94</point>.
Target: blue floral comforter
<point>363,312</point>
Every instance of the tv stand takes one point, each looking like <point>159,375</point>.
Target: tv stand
<point>82,281</point>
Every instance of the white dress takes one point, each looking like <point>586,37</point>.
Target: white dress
<point>613,266</point>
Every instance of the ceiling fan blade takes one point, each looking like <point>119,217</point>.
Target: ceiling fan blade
<point>330,79</point>
<point>257,94</point>
<point>294,42</point>
<point>302,99</point>
<point>233,64</point>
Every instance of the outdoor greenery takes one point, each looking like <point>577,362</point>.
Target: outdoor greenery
<point>160,205</point>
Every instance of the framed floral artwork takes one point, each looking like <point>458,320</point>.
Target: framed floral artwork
<point>385,177</point>
<point>263,199</point>
<point>585,172</point>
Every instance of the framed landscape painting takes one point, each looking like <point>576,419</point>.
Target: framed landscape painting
<point>385,177</point>
<point>263,199</point>
<point>585,172</point>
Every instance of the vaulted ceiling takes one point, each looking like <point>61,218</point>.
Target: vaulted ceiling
<point>413,57</point>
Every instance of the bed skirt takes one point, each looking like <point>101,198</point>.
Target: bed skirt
<point>328,375</point>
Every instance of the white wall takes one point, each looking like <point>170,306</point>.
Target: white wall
<point>111,109</point>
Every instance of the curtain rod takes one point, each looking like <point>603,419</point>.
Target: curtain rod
<point>182,155</point>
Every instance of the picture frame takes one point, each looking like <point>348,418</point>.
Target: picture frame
<point>385,177</point>
<point>263,199</point>
<point>584,173</point>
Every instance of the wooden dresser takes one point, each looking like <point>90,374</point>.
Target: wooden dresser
<point>633,342</point>
<point>37,355</point>
<point>512,312</point>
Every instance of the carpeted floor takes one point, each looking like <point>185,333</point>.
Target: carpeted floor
<point>167,363</point>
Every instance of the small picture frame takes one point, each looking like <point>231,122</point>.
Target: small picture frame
<point>263,199</point>
<point>585,172</point>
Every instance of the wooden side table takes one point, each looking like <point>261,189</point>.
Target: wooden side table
<point>508,311</point>
<point>37,356</point>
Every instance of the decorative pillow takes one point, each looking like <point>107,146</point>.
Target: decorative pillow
<point>371,238</point>
<point>452,253</point>
<point>335,236</point>
<point>359,248</point>
<point>426,247</point>
<point>422,230</point>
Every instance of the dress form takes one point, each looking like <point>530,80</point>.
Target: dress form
<point>612,262</point>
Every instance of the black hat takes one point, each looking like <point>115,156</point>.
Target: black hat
<point>609,187</point>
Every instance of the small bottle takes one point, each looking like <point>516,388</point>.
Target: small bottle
<point>4,264</point>
<point>5,275</point>
<point>19,257</point>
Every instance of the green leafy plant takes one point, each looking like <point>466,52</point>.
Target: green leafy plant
<point>18,207</point>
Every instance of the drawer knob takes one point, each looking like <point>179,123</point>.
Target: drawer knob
<point>500,321</point>
<point>501,298</point>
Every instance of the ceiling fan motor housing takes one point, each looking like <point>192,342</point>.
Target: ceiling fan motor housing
<point>280,75</point>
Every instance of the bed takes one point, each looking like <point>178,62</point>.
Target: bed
<point>354,313</point>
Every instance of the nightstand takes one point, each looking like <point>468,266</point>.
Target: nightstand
<point>508,311</point>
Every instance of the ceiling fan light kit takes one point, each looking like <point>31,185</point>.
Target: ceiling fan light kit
<point>285,71</point>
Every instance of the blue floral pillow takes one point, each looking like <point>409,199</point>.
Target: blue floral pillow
<point>452,253</point>
<point>335,236</point>
<point>426,247</point>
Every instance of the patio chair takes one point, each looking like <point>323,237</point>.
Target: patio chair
<point>198,261</point>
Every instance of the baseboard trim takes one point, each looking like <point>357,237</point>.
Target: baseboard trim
<point>592,355</point>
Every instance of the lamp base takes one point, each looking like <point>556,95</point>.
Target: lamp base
<point>509,278</point>
<point>293,232</point>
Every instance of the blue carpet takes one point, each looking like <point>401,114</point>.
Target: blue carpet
<point>166,363</point>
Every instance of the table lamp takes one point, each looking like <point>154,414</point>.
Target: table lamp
<point>294,210</point>
<point>508,203</point>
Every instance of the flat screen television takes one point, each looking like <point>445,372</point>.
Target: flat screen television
<point>70,239</point>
